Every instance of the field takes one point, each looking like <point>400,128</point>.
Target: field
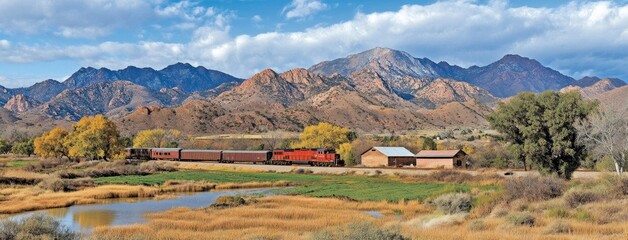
<point>351,187</point>
<point>352,205</point>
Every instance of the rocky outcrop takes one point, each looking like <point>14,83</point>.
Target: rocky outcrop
<point>20,103</point>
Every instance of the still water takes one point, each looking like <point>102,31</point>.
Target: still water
<point>118,212</point>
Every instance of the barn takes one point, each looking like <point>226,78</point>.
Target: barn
<point>447,159</point>
<point>387,156</point>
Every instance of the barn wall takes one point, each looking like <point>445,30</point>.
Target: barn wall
<point>374,159</point>
<point>447,163</point>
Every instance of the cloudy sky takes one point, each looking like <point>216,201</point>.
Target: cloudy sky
<point>52,39</point>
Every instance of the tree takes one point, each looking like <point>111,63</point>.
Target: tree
<point>52,144</point>
<point>94,138</point>
<point>606,135</point>
<point>24,147</point>
<point>428,144</point>
<point>5,146</point>
<point>541,128</point>
<point>156,138</point>
<point>322,135</point>
<point>346,153</point>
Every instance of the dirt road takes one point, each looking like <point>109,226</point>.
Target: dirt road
<point>360,170</point>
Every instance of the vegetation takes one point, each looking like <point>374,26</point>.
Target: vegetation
<point>533,188</point>
<point>37,226</point>
<point>453,203</point>
<point>94,138</point>
<point>24,147</point>
<point>156,138</point>
<point>322,135</point>
<point>52,144</point>
<point>360,231</point>
<point>541,129</point>
<point>606,134</point>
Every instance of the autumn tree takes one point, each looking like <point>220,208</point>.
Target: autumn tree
<point>345,151</point>
<point>606,135</point>
<point>322,135</point>
<point>541,129</point>
<point>94,138</point>
<point>52,144</point>
<point>156,138</point>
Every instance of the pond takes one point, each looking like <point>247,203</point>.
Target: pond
<point>118,212</point>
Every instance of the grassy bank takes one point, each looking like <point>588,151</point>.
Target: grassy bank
<point>352,187</point>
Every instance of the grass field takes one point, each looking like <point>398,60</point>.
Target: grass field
<point>352,187</point>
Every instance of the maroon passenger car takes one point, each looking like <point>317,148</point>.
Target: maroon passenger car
<point>165,153</point>
<point>231,156</point>
<point>200,155</point>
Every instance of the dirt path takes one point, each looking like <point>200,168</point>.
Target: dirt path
<point>362,170</point>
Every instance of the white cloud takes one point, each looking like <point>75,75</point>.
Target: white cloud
<point>5,43</point>
<point>256,19</point>
<point>577,38</point>
<point>303,8</point>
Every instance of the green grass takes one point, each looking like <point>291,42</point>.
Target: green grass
<point>20,163</point>
<point>353,187</point>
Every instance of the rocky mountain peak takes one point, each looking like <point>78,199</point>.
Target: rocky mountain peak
<point>20,103</point>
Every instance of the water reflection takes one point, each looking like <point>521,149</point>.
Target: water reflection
<point>117,212</point>
<point>94,218</point>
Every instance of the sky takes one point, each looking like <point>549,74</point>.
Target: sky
<point>42,39</point>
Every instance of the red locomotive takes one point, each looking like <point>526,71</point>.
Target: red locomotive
<point>313,157</point>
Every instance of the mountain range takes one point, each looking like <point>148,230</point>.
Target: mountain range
<point>377,90</point>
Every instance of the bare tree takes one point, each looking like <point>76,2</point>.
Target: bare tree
<point>606,134</point>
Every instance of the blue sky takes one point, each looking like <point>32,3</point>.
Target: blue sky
<point>52,39</point>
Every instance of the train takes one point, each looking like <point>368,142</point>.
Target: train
<point>311,156</point>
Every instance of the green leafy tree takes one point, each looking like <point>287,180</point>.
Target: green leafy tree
<point>345,151</point>
<point>542,130</point>
<point>25,147</point>
<point>94,138</point>
<point>428,144</point>
<point>5,146</point>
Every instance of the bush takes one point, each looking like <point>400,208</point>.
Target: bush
<point>37,226</point>
<point>52,184</point>
<point>576,198</point>
<point>359,231</point>
<point>559,227</point>
<point>582,215</point>
<point>519,219</point>
<point>558,212</point>
<point>621,186</point>
<point>477,225</point>
<point>533,188</point>
<point>453,203</point>
<point>228,201</point>
<point>450,176</point>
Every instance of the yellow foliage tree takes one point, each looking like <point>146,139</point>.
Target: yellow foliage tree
<point>94,138</point>
<point>156,138</point>
<point>52,144</point>
<point>322,135</point>
<point>346,153</point>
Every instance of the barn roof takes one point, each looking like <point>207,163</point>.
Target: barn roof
<point>438,153</point>
<point>394,151</point>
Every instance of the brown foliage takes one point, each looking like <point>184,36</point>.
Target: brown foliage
<point>533,188</point>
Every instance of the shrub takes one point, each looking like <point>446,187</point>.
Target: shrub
<point>558,212</point>
<point>559,227</point>
<point>522,218</point>
<point>477,225</point>
<point>52,184</point>
<point>78,184</point>
<point>621,186</point>
<point>37,226</point>
<point>359,231</point>
<point>229,201</point>
<point>576,198</point>
<point>582,215</point>
<point>453,203</point>
<point>450,176</point>
<point>533,188</point>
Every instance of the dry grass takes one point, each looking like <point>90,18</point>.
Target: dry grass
<point>276,217</point>
<point>297,217</point>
